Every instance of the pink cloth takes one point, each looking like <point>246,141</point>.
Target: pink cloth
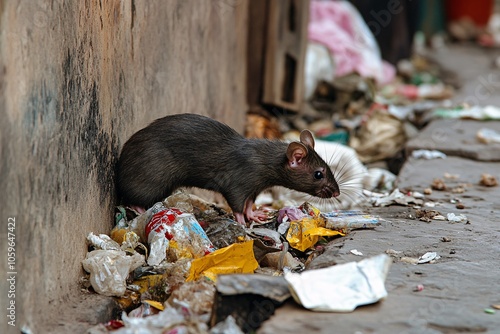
<point>339,26</point>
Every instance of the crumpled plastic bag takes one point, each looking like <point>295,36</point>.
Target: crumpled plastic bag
<point>137,225</point>
<point>175,235</point>
<point>129,242</point>
<point>109,270</point>
<point>343,287</point>
<point>235,259</point>
<point>170,320</point>
<point>102,241</point>
<point>339,26</point>
<point>381,136</point>
<point>460,218</point>
<point>319,66</point>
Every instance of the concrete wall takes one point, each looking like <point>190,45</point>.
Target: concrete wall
<point>77,78</point>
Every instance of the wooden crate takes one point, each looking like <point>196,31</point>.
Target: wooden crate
<point>285,53</point>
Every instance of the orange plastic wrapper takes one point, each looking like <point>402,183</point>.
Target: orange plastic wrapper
<point>234,259</point>
<point>306,232</point>
<point>309,209</point>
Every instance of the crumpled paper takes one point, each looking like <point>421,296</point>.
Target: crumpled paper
<point>343,287</point>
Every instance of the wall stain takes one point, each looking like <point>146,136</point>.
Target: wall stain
<point>81,122</point>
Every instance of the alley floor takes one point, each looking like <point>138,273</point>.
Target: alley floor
<point>458,287</point>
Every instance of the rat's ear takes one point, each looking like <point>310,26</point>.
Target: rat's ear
<point>307,138</point>
<point>295,153</point>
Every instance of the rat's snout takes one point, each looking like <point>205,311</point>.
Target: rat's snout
<point>329,192</point>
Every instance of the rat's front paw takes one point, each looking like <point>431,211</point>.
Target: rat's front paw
<point>257,216</point>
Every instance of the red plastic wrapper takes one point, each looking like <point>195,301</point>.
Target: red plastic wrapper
<point>174,235</point>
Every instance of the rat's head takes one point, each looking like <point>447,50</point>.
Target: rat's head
<point>308,171</point>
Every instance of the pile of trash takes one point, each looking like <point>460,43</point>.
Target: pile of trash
<point>186,266</point>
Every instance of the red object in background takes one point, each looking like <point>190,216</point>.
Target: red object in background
<point>478,11</point>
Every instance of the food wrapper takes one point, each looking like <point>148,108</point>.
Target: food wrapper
<point>347,220</point>
<point>309,209</point>
<point>137,225</point>
<point>305,233</point>
<point>175,235</point>
<point>237,258</point>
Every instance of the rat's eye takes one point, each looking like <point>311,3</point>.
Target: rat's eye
<point>318,175</point>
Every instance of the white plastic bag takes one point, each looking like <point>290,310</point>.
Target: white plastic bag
<point>109,269</point>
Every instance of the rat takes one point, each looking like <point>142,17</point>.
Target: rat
<point>190,150</point>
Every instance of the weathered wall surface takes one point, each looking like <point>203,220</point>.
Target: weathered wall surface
<point>77,78</point>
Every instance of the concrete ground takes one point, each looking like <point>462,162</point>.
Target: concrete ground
<point>458,286</point>
<point>466,279</point>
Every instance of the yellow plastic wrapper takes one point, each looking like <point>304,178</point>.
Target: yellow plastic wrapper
<point>236,258</point>
<point>145,283</point>
<point>306,232</point>
<point>155,304</point>
<point>118,234</point>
